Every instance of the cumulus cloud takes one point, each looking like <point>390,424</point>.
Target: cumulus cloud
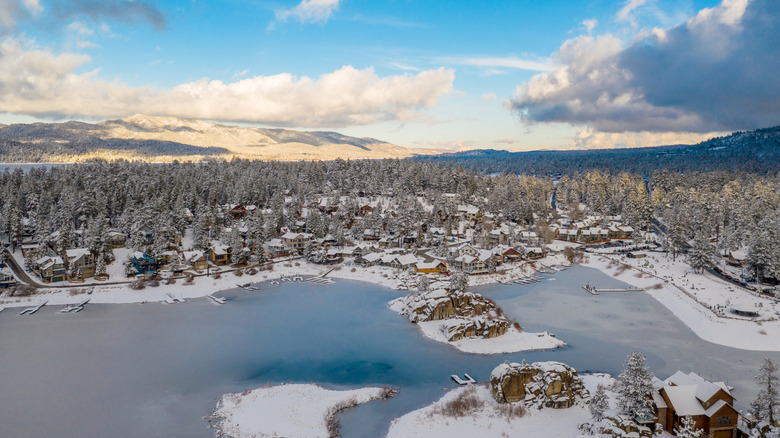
<point>310,11</point>
<point>716,72</point>
<point>13,10</point>
<point>591,139</point>
<point>590,24</point>
<point>34,81</point>
<point>132,11</point>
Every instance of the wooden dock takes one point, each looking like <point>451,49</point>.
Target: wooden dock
<point>528,280</point>
<point>468,379</point>
<point>628,289</point>
<point>218,300</point>
<point>32,310</point>
<point>75,308</point>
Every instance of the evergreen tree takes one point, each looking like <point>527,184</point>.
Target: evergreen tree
<point>702,254</point>
<point>459,281</point>
<point>636,387</point>
<point>688,429</point>
<point>100,266</point>
<point>599,403</point>
<point>768,399</point>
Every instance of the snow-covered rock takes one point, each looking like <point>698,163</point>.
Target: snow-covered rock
<point>541,384</point>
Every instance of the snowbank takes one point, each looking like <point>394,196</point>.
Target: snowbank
<point>691,298</point>
<point>299,410</point>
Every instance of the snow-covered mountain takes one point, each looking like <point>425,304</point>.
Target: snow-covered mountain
<point>167,138</point>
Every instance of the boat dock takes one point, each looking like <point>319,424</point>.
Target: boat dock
<point>218,300</point>
<point>528,280</point>
<point>596,291</point>
<point>467,379</point>
<point>248,287</point>
<point>321,280</point>
<point>172,299</point>
<point>74,308</point>
<point>32,310</point>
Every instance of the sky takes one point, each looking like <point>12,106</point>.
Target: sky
<point>514,75</point>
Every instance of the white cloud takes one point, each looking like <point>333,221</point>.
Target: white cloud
<point>715,72</point>
<point>487,97</point>
<point>310,11</point>
<point>590,24</point>
<point>591,139</point>
<point>34,81</point>
<point>500,62</point>
<point>626,13</point>
<point>79,28</point>
<point>33,6</point>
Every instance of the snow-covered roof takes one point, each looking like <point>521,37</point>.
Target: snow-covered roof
<point>683,399</point>
<point>372,257</point>
<point>406,260</point>
<point>712,410</point>
<point>76,253</point>
<point>429,265</point>
<point>659,400</point>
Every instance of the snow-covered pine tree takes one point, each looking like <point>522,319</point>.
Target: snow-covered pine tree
<point>688,429</point>
<point>459,281</point>
<point>768,399</point>
<point>636,387</point>
<point>599,403</point>
<point>100,266</point>
<point>702,254</point>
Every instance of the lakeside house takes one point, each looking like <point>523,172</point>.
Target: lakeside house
<point>196,260</point>
<point>710,404</point>
<point>50,269</point>
<point>434,267</point>
<point>219,254</point>
<point>143,263</point>
<point>6,279</point>
<point>81,262</point>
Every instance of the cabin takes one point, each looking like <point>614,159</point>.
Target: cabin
<point>406,261</point>
<point>238,211</point>
<point>167,257</point>
<point>116,239</point>
<point>219,254</point>
<point>50,269</point>
<point>711,405</point>
<point>144,264</point>
<point>6,279</point>
<point>277,248</point>
<point>196,260</point>
<point>434,267</point>
<point>497,237</point>
<point>82,261</point>
<point>534,253</point>
<point>504,253</point>
<point>296,242</point>
<point>369,259</point>
<point>29,248</point>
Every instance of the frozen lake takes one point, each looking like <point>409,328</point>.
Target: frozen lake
<point>155,370</point>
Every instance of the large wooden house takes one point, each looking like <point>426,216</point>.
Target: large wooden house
<point>50,269</point>
<point>711,405</point>
<point>81,262</point>
<point>219,254</point>
<point>6,279</point>
<point>144,264</point>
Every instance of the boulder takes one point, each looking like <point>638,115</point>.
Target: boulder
<point>458,328</point>
<point>541,384</point>
<point>442,304</point>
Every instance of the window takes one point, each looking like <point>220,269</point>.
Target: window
<point>724,420</point>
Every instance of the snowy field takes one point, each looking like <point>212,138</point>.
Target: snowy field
<point>694,299</point>
<point>510,342</point>
<point>490,421</point>
<point>291,411</point>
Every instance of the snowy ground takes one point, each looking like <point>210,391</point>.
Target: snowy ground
<point>489,421</point>
<point>511,342</point>
<point>701,301</point>
<point>299,410</point>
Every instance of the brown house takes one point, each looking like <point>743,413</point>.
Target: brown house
<point>709,404</point>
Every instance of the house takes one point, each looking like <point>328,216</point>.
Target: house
<point>116,239</point>
<point>167,257</point>
<point>534,252</point>
<point>470,212</point>
<point>434,267</point>
<point>219,254</point>
<point>277,248</point>
<point>370,259</point>
<point>186,213</point>
<point>371,234</point>
<point>497,237</point>
<point>144,264</point>
<point>465,249</point>
<point>296,242</point>
<point>238,211</point>
<point>6,279</point>
<point>504,253</point>
<point>196,260</point>
<point>50,269</point>
<point>406,261</point>
<point>711,405</point>
<point>29,248</point>
<point>81,261</point>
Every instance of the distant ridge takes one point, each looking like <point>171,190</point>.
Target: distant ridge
<point>148,138</point>
<point>743,151</point>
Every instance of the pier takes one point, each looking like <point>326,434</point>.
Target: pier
<point>528,280</point>
<point>74,308</point>
<point>218,300</point>
<point>468,379</point>
<point>32,310</point>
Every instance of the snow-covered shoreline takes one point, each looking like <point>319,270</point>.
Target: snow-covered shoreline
<point>512,341</point>
<point>293,410</point>
<point>490,421</point>
<point>664,285</point>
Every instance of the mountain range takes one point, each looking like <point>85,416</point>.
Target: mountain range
<point>147,138</point>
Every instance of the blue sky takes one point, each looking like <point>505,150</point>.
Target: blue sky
<point>512,75</point>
